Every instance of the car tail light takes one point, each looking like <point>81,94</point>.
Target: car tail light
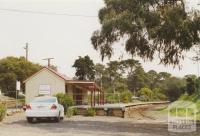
<point>28,107</point>
<point>53,107</point>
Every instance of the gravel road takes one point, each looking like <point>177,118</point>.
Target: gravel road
<point>86,126</point>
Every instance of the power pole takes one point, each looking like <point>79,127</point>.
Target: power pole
<point>26,49</point>
<point>49,61</point>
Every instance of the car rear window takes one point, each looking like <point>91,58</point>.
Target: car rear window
<point>44,100</point>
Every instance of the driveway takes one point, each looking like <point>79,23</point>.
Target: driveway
<point>86,126</point>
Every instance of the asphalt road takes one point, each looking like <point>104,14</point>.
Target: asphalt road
<point>86,126</point>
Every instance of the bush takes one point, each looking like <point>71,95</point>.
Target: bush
<point>71,112</point>
<point>146,93</point>
<point>90,112</point>
<point>126,97</point>
<point>2,112</point>
<point>112,98</point>
<point>75,111</point>
<point>65,100</point>
<point>158,94</point>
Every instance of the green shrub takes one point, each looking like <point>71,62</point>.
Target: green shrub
<point>75,111</point>
<point>65,100</point>
<point>126,97</point>
<point>70,112</point>
<point>90,112</point>
<point>112,98</point>
<point>161,96</point>
<point>2,112</point>
<point>158,94</point>
<point>146,93</point>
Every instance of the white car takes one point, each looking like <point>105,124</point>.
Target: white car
<point>44,107</point>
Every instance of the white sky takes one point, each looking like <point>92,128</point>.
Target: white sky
<point>62,37</point>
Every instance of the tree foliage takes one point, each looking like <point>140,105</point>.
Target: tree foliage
<point>152,78</point>
<point>85,69</point>
<point>114,73</point>
<point>137,79</point>
<point>162,84</point>
<point>146,93</point>
<point>13,69</point>
<point>151,28</point>
<point>191,81</point>
<point>126,97</point>
<point>173,88</point>
<point>159,94</point>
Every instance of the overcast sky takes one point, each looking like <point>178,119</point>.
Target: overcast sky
<point>61,36</point>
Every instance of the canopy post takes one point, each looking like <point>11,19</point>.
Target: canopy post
<point>91,98</point>
<point>103,98</point>
<point>94,96</point>
<point>97,97</point>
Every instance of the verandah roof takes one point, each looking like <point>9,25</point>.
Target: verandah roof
<point>85,84</point>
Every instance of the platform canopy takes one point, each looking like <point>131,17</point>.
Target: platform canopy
<point>89,85</point>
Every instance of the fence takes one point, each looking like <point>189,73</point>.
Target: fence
<point>12,103</point>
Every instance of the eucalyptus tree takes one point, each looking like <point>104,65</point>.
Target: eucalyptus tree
<point>149,28</point>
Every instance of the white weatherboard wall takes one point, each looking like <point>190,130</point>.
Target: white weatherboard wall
<point>44,77</point>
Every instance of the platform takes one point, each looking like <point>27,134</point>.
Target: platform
<point>117,109</point>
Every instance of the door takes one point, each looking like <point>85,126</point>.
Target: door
<point>78,96</point>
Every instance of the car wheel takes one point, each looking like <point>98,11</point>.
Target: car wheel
<point>30,120</point>
<point>57,119</point>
